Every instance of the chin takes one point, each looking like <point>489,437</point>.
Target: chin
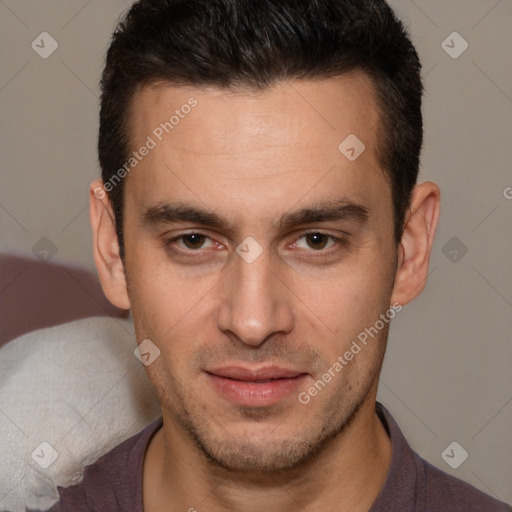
<point>257,458</point>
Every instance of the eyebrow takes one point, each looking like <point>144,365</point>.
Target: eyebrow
<point>175,212</point>
<point>339,209</point>
<point>334,210</point>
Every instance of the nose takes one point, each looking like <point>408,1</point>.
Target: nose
<point>256,303</point>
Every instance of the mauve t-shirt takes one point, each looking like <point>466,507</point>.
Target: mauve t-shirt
<point>114,482</point>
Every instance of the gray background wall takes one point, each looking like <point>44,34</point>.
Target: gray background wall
<point>447,373</point>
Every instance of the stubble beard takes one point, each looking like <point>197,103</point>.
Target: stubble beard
<point>261,458</point>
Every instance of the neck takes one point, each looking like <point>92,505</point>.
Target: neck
<point>347,474</point>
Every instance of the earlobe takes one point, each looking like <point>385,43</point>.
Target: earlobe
<point>416,243</point>
<point>106,247</point>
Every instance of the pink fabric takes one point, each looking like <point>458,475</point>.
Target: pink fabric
<point>35,294</point>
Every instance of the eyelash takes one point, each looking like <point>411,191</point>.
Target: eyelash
<point>190,253</point>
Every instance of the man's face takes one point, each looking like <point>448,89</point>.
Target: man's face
<point>294,296</point>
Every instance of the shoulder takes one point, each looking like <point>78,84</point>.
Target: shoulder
<point>413,483</point>
<point>113,482</point>
<point>443,490</point>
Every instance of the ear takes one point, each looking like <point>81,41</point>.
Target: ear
<point>416,243</point>
<point>106,247</point>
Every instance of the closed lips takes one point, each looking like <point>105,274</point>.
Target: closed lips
<point>255,375</point>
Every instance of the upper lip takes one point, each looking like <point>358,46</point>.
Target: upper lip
<point>255,374</point>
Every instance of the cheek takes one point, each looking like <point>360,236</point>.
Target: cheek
<point>151,282</point>
<point>171,309</point>
<point>346,300</point>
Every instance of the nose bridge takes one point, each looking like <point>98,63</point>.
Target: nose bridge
<point>253,282</point>
<point>255,304</point>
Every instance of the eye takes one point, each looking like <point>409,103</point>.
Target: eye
<point>317,241</point>
<point>192,241</point>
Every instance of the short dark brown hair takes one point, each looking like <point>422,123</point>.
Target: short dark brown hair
<point>256,43</point>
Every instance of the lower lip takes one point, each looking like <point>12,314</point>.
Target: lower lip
<point>255,394</point>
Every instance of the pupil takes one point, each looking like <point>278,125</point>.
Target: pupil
<point>193,240</point>
<point>317,240</point>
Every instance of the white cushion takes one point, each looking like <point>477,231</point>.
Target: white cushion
<point>78,389</point>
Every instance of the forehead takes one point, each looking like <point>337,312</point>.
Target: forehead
<point>254,145</point>
<point>229,122</point>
